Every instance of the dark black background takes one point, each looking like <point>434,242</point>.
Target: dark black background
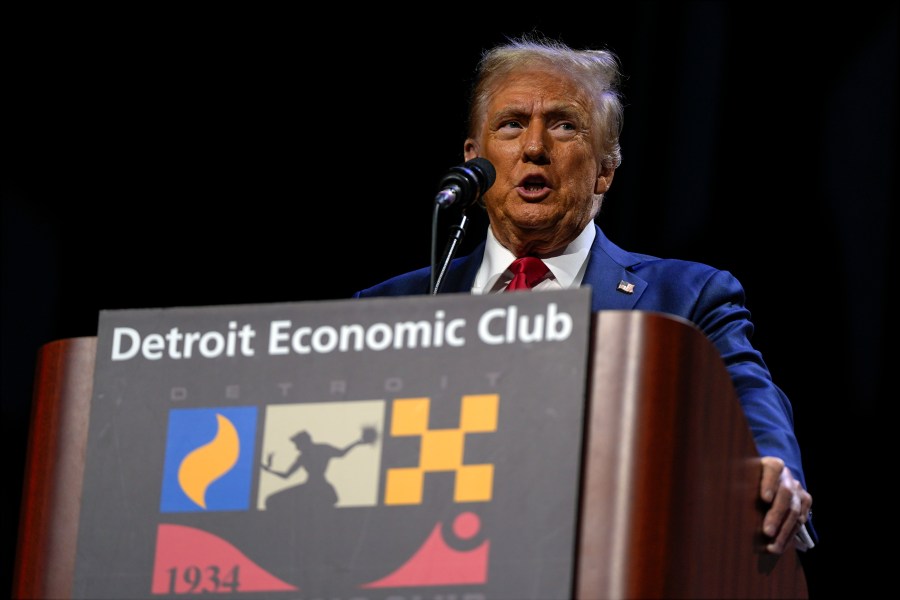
<point>177,158</point>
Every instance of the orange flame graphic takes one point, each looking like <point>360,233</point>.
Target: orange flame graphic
<point>209,462</point>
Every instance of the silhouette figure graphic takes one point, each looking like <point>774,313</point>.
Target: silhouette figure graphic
<point>316,492</point>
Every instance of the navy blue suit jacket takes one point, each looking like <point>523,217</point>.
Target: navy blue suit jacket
<point>710,298</point>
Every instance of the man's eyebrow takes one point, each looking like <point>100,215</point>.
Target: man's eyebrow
<point>511,110</point>
<point>555,110</point>
<point>565,109</point>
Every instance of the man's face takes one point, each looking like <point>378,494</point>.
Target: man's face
<point>539,134</point>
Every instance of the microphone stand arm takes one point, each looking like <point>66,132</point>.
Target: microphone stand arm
<point>457,234</point>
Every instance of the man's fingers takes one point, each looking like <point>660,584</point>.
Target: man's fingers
<point>789,503</point>
<point>771,477</point>
<point>784,537</point>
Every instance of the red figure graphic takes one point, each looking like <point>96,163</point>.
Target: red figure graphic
<point>436,563</point>
<point>193,561</point>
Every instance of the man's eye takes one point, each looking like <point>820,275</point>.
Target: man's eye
<point>511,125</point>
<point>567,126</point>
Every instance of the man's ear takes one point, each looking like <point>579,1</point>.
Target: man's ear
<point>470,149</point>
<point>604,180</point>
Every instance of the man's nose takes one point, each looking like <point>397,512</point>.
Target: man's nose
<point>533,147</point>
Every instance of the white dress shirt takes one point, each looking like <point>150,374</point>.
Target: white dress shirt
<point>567,268</point>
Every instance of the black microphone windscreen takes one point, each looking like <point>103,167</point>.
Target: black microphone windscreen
<point>486,168</point>
<point>464,184</point>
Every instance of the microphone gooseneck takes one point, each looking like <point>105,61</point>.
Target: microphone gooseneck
<point>463,185</point>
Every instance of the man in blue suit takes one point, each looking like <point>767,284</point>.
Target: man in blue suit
<point>548,119</point>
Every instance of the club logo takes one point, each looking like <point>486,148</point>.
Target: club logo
<point>315,459</point>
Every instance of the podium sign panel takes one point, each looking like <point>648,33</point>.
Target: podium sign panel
<point>413,447</point>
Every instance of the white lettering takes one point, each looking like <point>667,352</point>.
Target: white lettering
<point>133,335</point>
<point>355,337</point>
<point>552,327</point>
<point>153,346</point>
<point>276,336</point>
<point>559,326</point>
<point>484,326</point>
<point>176,345</point>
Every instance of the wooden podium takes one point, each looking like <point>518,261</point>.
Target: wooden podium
<point>54,468</point>
<point>669,503</point>
<point>670,485</point>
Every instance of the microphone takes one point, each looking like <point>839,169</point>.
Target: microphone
<point>465,183</point>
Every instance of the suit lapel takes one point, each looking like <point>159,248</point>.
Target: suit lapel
<point>614,285</point>
<point>460,276</point>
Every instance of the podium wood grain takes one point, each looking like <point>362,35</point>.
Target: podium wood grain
<point>51,493</point>
<point>671,473</point>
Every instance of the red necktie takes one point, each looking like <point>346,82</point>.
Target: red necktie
<point>527,271</point>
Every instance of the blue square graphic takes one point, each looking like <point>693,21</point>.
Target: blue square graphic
<point>209,459</point>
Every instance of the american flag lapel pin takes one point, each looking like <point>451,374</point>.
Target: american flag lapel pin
<point>625,287</point>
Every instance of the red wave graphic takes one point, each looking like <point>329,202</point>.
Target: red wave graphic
<point>193,561</point>
<point>436,563</point>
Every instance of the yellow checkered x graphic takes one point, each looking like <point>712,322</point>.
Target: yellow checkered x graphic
<point>442,449</point>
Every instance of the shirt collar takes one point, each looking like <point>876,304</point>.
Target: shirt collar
<point>568,267</point>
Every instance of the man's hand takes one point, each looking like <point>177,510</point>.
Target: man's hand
<point>788,502</point>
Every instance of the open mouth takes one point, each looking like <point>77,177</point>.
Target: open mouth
<point>533,187</point>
